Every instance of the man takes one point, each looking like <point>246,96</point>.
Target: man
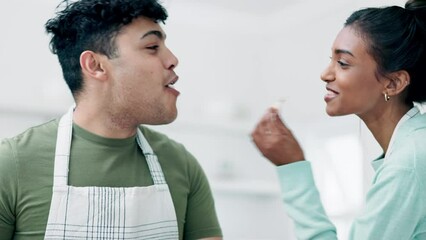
<point>96,173</point>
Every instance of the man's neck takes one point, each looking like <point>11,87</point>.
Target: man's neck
<point>103,123</point>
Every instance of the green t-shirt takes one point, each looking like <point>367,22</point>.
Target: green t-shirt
<point>26,177</point>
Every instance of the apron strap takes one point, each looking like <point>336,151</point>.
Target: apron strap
<point>62,151</point>
<point>151,158</point>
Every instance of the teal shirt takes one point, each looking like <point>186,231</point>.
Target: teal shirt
<point>395,205</point>
<point>26,176</point>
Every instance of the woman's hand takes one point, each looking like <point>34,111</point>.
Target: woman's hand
<point>275,141</point>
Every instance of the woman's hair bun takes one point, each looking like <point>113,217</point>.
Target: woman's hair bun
<point>418,9</point>
<point>416,5</point>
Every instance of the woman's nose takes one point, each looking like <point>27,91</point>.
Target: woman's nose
<point>327,74</point>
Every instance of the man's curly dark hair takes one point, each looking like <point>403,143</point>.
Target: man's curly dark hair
<point>93,25</point>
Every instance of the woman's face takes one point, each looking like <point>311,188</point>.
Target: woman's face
<point>353,85</point>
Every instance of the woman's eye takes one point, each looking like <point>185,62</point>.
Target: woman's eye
<point>342,63</point>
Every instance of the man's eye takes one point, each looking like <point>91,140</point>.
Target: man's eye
<point>155,47</point>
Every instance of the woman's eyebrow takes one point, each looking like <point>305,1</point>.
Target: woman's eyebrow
<point>342,51</point>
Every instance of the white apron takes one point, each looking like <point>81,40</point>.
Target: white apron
<point>106,212</point>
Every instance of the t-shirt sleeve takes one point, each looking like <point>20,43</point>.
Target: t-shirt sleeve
<point>8,190</point>
<point>302,202</point>
<point>201,218</point>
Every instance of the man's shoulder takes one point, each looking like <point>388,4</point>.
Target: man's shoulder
<point>34,136</point>
<point>28,147</point>
<point>166,147</point>
<point>159,139</point>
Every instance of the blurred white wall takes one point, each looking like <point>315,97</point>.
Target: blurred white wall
<point>237,57</point>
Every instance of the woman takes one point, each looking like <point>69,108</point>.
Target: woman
<point>377,71</point>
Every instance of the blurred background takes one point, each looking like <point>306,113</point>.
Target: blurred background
<point>237,57</point>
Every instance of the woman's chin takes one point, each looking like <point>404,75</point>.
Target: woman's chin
<point>332,112</point>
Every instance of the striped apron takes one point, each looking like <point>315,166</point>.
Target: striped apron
<point>107,212</point>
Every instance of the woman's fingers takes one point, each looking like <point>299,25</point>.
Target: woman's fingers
<point>275,141</point>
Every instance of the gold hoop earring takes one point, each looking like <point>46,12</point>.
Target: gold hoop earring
<point>387,97</point>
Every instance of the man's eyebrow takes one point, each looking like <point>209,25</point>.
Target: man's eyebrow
<point>157,33</point>
<point>342,51</point>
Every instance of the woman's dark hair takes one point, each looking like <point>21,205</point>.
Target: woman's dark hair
<point>397,41</point>
<point>93,25</point>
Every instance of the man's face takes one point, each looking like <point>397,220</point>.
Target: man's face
<point>142,75</point>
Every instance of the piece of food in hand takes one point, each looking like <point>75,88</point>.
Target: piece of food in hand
<point>277,105</point>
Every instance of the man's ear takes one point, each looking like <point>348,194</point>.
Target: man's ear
<point>397,82</point>
<point>92,65</point>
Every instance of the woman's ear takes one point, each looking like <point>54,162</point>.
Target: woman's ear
<point>397,82</point>
<point>92,65</point>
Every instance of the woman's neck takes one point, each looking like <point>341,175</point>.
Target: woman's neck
<point>382,126</point>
